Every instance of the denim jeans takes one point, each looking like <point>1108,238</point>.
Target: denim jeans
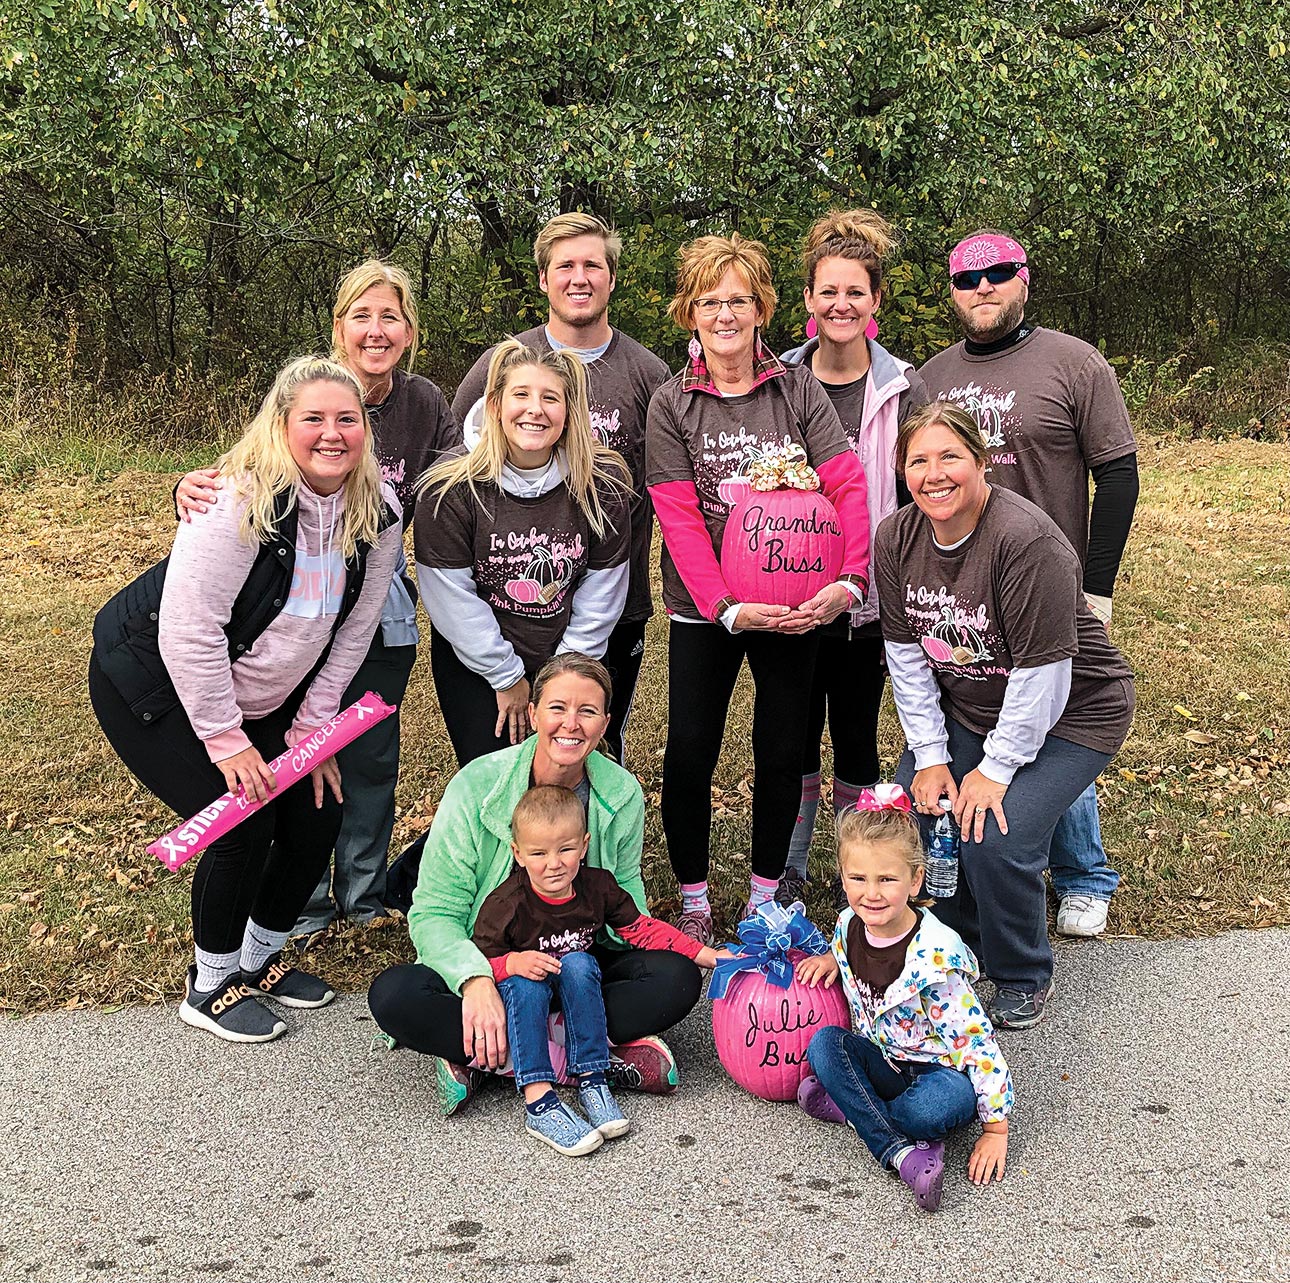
<point>1001,907</point>
<point>1076,861</point>
<point>576,987</point>
<point>889,1105</point>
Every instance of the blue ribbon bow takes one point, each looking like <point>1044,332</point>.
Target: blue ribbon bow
<point>767,935</point>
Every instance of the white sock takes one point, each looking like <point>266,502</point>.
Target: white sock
<point>761,890</point>
<point>899,1157</point>
<point>259,944</point>
<point>213,969</point>
<point>694,897</point>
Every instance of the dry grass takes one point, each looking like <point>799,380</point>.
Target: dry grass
<point>1196,808</point>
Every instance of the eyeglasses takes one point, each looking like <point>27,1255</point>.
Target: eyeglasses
<point>739,304</point>
<point>996,275</point>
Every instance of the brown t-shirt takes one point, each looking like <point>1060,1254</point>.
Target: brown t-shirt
<point>514,917</point>
<point>1050,408</point>
<point>848,401</point>
<point>698,437</point>
<point>527,555</point>
<point>619,386</point>
<point>411,429</point>
<point>1007,597</point>
<point>876,967</point>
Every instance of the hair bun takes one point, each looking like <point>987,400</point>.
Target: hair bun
<point>865,226</point>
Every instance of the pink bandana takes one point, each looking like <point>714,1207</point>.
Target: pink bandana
<point>883,797</point>
<point>976,252</point>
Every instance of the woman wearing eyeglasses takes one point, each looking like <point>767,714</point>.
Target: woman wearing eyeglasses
<point>873,393</point>
<point>733,401</point>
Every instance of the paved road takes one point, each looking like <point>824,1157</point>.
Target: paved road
<point>1149,1143</point>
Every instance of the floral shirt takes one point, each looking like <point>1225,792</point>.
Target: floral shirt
<point>931,1014</point>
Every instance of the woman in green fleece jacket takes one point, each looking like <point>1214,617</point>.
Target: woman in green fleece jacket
<point>446,1004</point>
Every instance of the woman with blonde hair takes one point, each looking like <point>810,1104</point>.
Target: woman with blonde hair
<point>240,643</point>
<point>374,334</point>
<point>522,541</point>
<point>873,392</point>
<point>732,399</point>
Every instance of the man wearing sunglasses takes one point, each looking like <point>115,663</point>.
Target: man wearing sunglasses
<point>1051,411</point>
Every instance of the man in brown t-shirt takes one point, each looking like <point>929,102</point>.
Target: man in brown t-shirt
<point>1051,411</point>
<point>577,261</point>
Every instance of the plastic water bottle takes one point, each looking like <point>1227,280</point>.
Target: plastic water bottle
<point>943,854</point>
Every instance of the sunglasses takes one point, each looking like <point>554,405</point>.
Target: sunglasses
<point>996,275</point>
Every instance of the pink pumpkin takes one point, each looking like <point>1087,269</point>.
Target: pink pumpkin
<point>781,547</point>
<point>762,1032</point>
<point>525,591</point>
<point>731,489</point>
<point>937,649</point>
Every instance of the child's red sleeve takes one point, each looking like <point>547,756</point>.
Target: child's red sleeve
<point>650,933</point>
<point>499,967</point>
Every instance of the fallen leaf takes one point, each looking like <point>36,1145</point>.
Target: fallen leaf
<point>1199,737</point>
<point>1184,712</point>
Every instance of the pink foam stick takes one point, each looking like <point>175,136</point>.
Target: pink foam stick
<point>227,812</point>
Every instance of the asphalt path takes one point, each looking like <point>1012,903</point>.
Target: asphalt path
<point>1148,1142</point>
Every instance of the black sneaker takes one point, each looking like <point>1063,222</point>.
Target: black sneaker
<point>791,888</point>
<point>1019,1008</point>
<point>229,1012</point>
<point>286,985</point>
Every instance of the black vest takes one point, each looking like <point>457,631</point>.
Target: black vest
<point>126,628</point>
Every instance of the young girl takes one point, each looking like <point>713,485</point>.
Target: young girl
<point>923,1058</point>
<point>522,546</point>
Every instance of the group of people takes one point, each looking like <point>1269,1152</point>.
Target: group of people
<point>973,572</point>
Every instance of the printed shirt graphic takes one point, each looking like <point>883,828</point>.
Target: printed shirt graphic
<point>515,918</point>
<point>619,386</point>
<point>1007,597</point>
<point>411,429</point>
<point>710,440</point>
<point>527,555</point>
<point>317,585</point>
<point>1050,409</point>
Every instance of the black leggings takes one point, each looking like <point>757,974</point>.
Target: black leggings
<point>646,991</point>
<point>468,703</point>
<point>849,677</point>
<point>623,657</point>
<point>702,666</point>
<point>265,868</point>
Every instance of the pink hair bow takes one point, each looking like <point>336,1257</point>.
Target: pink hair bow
<point>884,797</point>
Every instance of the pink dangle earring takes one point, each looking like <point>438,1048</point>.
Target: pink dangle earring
<point>811,328</point>
<point>696,348</point>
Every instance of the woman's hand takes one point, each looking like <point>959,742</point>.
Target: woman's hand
<point>989,1154</point>
<point>810,971</point>
<point>930,784</point>
<point>531,964</point>
<point>483,1023</point>
<point>758,616</point>
<point>326,774</point>
<point>823,608</point>
<point>979,795</point>
<point>196,491</point>
<point>249,772</point>
<point>708,957</point>
<point>513,711</point>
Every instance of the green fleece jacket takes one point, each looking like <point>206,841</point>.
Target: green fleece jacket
<point>468,853</point>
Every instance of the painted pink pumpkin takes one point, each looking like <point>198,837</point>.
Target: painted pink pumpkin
<point>781,547</point>
<point>762,1032</point>
<point>937,649</point>
<point>525,591</point>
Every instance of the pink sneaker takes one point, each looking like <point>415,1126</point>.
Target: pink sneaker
<point>697,924</point>
<point>645,1064</point>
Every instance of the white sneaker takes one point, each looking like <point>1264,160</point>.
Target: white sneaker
<point>1082,915</point>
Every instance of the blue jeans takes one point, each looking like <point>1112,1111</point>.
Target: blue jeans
<point>1076,861</point>
<point>1001,908</point>
<point>889,1105</point>
<point>528,1003</point>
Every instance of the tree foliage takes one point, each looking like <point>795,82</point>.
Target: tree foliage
<point>184,181</point>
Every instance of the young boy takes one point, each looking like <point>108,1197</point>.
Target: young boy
<point>537,930</point>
